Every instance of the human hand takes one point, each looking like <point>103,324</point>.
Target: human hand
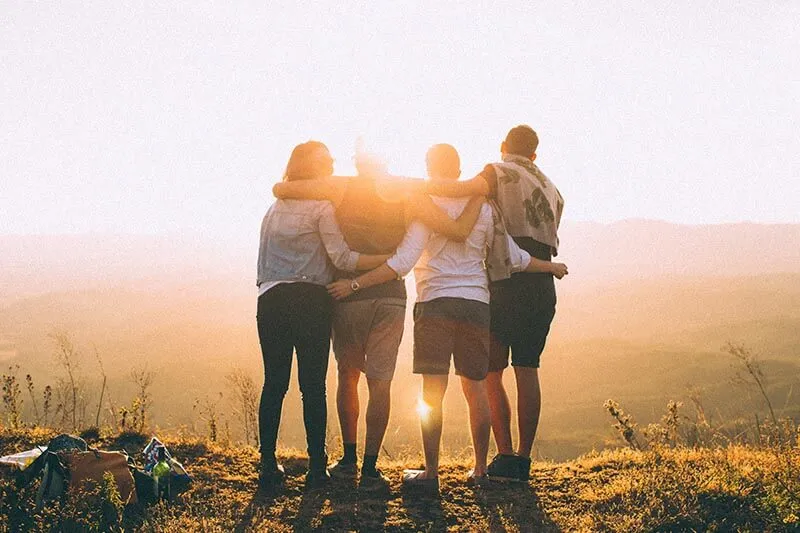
<point>559,270</point>
<point>339,289</point>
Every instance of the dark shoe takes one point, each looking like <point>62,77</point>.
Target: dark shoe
<point>412,480</point>
<point>318,475</point>
<point>524,466</point>
<point>476,481</point>
<point>270,477</point>
<point>346,471</point>
<point>373,481</point>
<point>507,468</point>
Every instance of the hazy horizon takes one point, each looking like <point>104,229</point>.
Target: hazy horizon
<point>191,233</point>
<point>639,325</point>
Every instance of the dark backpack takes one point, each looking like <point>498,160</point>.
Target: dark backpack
<point>59,443</point>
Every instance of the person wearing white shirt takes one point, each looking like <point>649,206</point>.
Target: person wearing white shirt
<point>451,316</point>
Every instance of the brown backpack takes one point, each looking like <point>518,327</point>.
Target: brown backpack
<point>93,464</point>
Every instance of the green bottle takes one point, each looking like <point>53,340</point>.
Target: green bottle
<point>161,477</point>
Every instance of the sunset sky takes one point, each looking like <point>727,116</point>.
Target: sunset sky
<point>164,117</point>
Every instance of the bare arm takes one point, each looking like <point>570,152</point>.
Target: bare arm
<point>521,261</point>
<point>559,270</point>
<point>342,288</point>
<point>400,264</point>
<point>422,208</point>
<point>321,189</point>
<point>368,262</point>
<point>477,186</point>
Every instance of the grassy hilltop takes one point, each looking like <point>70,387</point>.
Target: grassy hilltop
<point>734,488</point>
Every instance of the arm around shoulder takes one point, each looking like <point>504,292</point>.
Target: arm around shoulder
<point>422,208</point>
<point>320,189</point>
<point>477,186</point>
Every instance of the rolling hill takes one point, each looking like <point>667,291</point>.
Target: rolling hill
<point>641,318</point>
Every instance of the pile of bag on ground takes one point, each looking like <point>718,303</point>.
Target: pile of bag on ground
<point>67,464</point>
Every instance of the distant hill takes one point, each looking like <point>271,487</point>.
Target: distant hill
<point>648,248</point>
<point>596,253</point>
<point>38,264</point>
<point>641,317</point>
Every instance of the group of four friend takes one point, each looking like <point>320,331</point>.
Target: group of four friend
<point>332,256</point>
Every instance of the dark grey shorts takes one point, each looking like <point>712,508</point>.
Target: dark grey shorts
<point>451,326</point>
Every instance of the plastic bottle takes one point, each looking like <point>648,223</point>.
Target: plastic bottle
<point>161,475</point>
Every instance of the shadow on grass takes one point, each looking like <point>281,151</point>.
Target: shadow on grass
<point>510,506</point>
<point>312,513</point>
<point>336,507</point>
<point>424,508</point>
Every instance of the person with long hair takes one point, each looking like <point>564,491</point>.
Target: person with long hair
<point>300,245</point>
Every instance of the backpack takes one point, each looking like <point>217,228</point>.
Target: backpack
<point>59,443</point>
<point>69,471</point>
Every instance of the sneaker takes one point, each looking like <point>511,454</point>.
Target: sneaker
<point>318,475</point>
<point>412,480</point>
<point>270,477</point>
<point>373,481</point>
<point>524,466</point>
<point>340,470</point>
<point>476,481</point>
<point>507,468</point>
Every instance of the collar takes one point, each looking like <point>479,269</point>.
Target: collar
<point>514,158</point>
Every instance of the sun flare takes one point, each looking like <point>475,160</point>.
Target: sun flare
<point>423,409</point>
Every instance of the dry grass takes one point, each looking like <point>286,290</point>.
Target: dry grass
<point>726,489</point>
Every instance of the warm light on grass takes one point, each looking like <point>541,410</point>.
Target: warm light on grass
<point>423,409</point>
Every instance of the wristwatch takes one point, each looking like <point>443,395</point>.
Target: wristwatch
<point>354,285</point>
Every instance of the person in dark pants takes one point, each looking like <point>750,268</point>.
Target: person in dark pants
<point>300,245</point>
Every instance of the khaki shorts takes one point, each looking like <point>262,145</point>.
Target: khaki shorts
<point>367,335</point>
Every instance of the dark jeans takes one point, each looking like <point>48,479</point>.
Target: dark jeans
<point>294,316</point>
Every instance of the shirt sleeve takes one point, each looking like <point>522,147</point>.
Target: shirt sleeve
<point>490,175</point>
<point>410,250</point>
<point>341,255</point>
<point>520,259</point>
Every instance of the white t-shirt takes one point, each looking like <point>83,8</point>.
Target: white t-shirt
<point>267,285</point>
<point>446,268</point>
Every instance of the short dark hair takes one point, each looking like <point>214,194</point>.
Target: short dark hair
<point>522,140</point>
<point>442,159</point>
